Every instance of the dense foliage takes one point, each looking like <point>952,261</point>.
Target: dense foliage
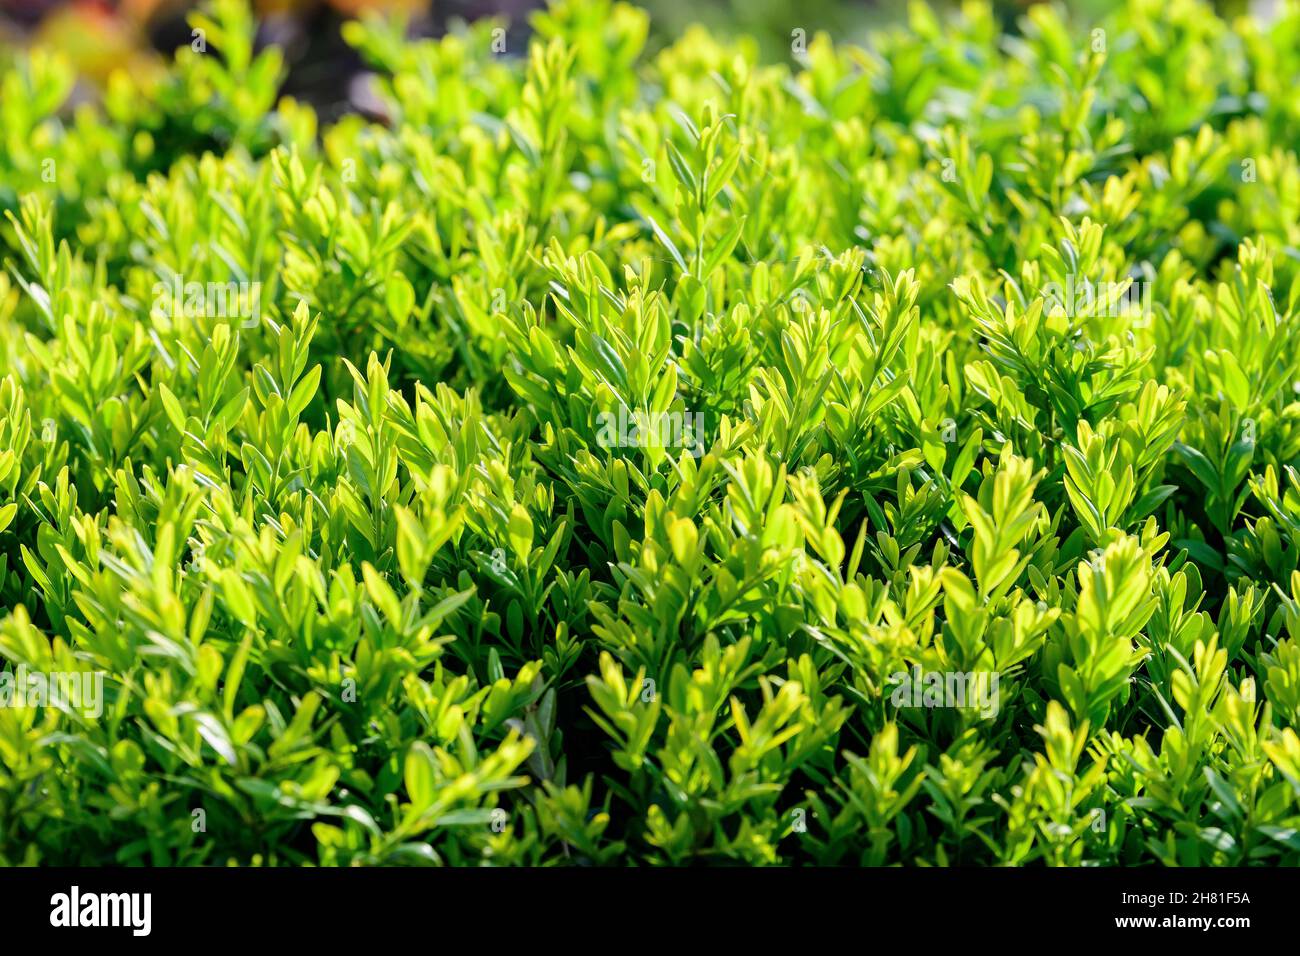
<point>567,465</point>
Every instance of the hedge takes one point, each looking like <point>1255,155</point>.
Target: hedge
<point>593,455</point>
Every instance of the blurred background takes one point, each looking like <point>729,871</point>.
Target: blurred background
<point>101,35</point>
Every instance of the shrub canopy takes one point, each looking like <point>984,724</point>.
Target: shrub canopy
<point>605,456</point>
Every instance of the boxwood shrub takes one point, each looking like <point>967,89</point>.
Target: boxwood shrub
<point>598,455</point>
